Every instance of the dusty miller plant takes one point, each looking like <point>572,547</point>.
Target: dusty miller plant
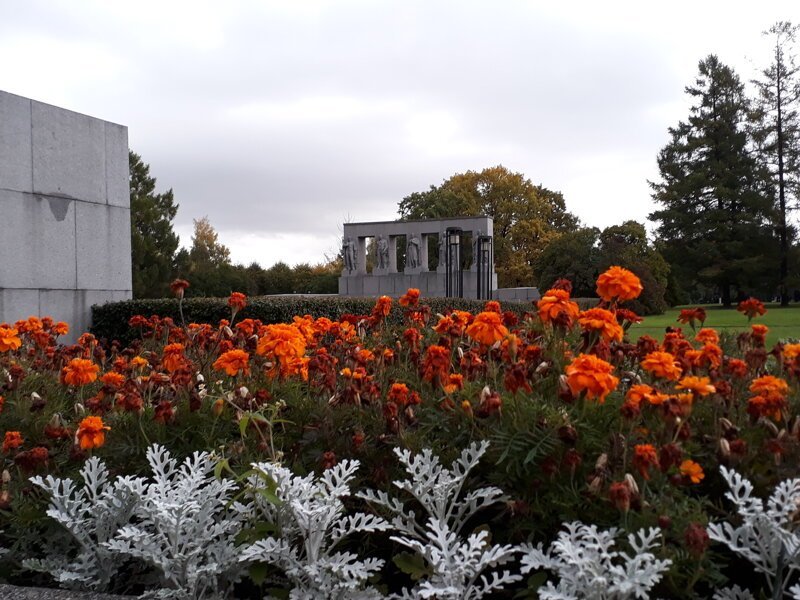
<point>311,523</point>
<point>457,562</point>
<point>767,535</point>
<point>92,514</point>
<point>588,567</point>
<point>185,526</point>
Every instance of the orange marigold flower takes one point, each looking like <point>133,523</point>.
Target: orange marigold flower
<point>9,339</point>
<point>178,287</point>
<point>436,363</point>
<point>398,393</point>
<point>603,321</point>
<point>736,367</point>
<point>707,336</point>
<point>80,371</point>
<point>139,362</point>
<point>751,307</point>
<point>492,306</point>
<point>294,365</point>
<point>769,385</point>
<point>791,351</point>
<point>692,471</point>
<point>410,298</point>
<point>555,305</point>
<point>618,284</point>
<point>700,386</point>
<point>233,362</point>
<point>91,433</point>
<point>487,328</point>
<point>662,364</point>
<point>29,325</point>
<point>382,308</point>
<point>60,328</point>
<point>237,301</point>
<point>645,457</point>
<point>12,441</point>
<point>639,392</point>
<point>455,382</point>
<point>688,316</point>
<point>771,405</point>
<point>759,333</point>
<point>281,340</point>
<point>591,375</point>
<point>112,378</point>
<point>173,358</point>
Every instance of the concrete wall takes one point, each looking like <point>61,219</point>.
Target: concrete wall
<point>65,240</point>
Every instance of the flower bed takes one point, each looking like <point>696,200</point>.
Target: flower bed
<point>249,458</point>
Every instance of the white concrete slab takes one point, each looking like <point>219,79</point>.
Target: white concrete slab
<point>103,247</point>
<point>16,165</point>
<point>38,241</point>
<point>68,154</point>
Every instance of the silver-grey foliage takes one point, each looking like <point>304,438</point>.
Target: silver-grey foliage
<point>458,562</point>
<point>768,533</point>
<point>588,567</point>
<point>185,527</point>
<point>92,514</point>
<point>311,522</point>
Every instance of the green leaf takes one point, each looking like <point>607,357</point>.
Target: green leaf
<point>412,565</point>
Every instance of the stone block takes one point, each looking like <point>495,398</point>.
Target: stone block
<point>118,189</point>
<point>18,304</point>
<point>386,285</point>
<point>370,286</point>
<point>16,165</point>
<point>103,247</point>
<point>38,246</point>
<point>68,154</point>
<point>67,306</point>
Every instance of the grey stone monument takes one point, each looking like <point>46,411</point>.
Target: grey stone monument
<point>65,207</point>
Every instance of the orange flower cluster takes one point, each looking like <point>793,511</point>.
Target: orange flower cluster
<point>692,471</point>
<point>382,308</point>
<point>80,371</point>
<point>233,362</point>
<point>9,340</point>
<point>662,364</point>
<point>751,307</point>
<point>436,364</point>
<point>237,301</point>
<point>454,324</point>
<point>281,341</point>
<point>645,458</point>
<point>410,298</point>
<point>91,433</point>
<point>487,328</point>
<point>173,358</point>
<point>770,398</point>
<point>699,386</point>
<point>602,321</point>
<point>556,307</point>
<point>618,284</point>
<point>178,287</point>
<point>642,392</point>
<point>688,316</point>
<point>591,375</point>
<point>12,441</point>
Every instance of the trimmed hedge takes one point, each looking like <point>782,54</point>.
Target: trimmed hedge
<point>110,321</point>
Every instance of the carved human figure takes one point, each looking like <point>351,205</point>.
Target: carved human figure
<point>442,250</point>
<point>349,253</point>
<point>412,251</point>
<point>383,252</point>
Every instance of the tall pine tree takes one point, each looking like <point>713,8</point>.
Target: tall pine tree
<point>776,135</point>
<point>153,242</point>
<point>713,224</point>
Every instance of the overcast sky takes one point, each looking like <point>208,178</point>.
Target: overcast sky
<point>282,120</point>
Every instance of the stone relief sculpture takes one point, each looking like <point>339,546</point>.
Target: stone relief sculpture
<point>382,252</point>
<point>475,245</point>
<point>412,252</point>
<point>349,253</point>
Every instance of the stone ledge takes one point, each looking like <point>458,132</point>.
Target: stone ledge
<point>11,592</point>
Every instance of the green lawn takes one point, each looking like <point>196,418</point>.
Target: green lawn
<point>782,322</point>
